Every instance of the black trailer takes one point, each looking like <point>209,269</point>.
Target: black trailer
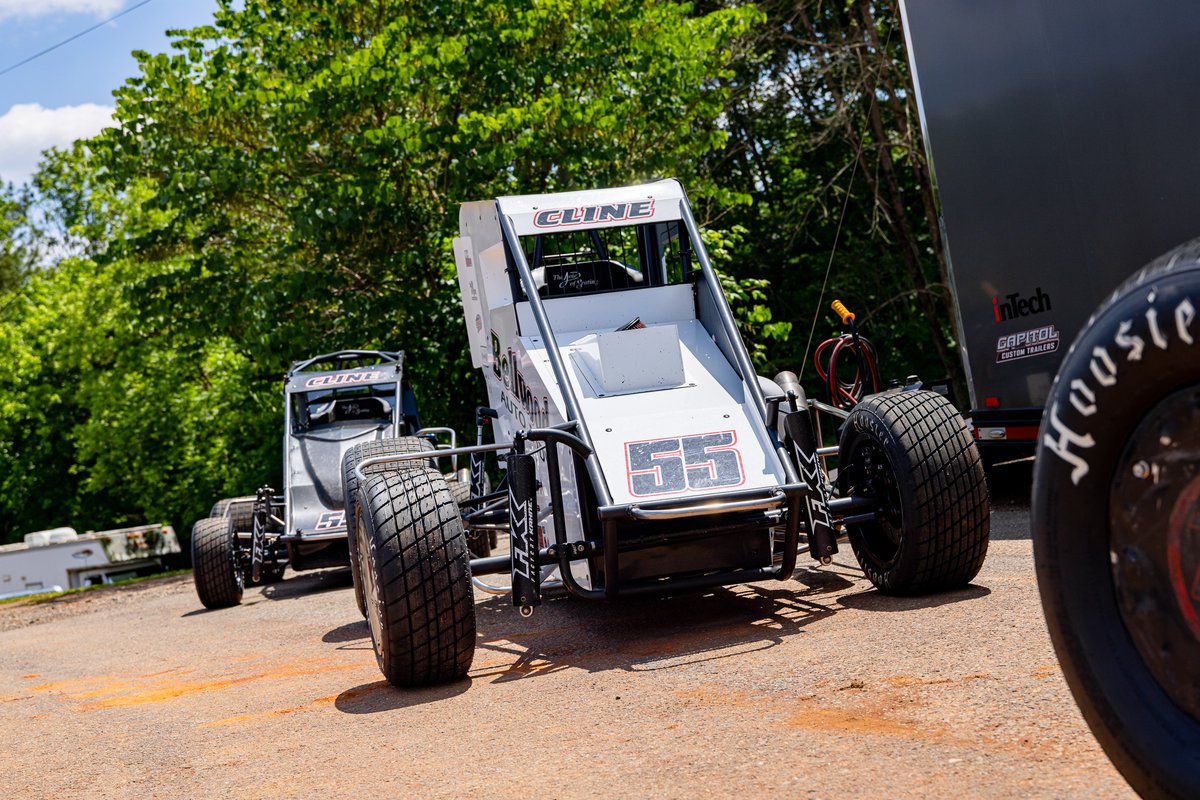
<point>1063,139</point>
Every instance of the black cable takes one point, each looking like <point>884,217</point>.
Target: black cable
<point>52,48</point>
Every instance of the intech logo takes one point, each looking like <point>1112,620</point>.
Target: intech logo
<point>1014,306</point>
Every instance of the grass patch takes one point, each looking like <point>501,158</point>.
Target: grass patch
<point>46,597</point>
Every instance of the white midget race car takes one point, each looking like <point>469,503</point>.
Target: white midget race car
<point>641,453</point>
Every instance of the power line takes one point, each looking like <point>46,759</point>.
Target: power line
<point>36,56</point>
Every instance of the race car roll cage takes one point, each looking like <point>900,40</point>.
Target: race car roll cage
<point>270,508</point>
<point>804,498</point>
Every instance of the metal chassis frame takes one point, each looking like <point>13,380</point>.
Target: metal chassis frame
<point>390,358</point>
<point>786,499</point>
<point>790,501</point>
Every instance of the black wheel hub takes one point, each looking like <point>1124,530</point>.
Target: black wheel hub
<point>1155,544</point>
<point>873,476</point>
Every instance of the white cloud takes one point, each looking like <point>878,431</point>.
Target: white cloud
<point>27,129</point>
<point>39,8</point>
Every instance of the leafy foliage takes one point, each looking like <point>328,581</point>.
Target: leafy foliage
<point>825,138</point>
<point>286,180</point>
<point>283,184</point>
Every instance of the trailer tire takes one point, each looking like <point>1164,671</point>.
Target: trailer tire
<point>356,454</point>
<point>1116,535</point>
<point>416,577</point>
<point>912,450</point>
<point>216,568</point>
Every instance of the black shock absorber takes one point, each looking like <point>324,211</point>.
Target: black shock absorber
<point>801,434</point>
<point>523,532</point>
<point>258,540</point>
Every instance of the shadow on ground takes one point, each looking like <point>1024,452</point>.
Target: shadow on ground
<point>647,633</point>
<point>1008,488</point>
<point>305,583</point>
<point>372,698</point>
<point>351,636</point>
<point>872,600</point>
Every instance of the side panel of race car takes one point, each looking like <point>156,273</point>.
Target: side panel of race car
<point>516,387</point>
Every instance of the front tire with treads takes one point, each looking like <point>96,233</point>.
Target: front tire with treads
<point>912,451</point>
<point>216,568</point>
<point>355,455</point>
<point>416,577</point>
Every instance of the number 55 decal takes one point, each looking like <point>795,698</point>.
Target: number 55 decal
<point>679,464</point>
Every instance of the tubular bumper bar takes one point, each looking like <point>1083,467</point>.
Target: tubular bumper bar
<point>745,500</point>
<point>425,456</point>
<point>555,435</point>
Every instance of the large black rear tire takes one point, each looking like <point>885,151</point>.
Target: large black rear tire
<point>238,509</point>
<point>356,454</point>
<point>216,568</point>
<point>913,452</point>
<point>416,577</point>
<point>1116,525</point>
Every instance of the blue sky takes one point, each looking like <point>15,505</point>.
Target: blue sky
<point>67,94</point>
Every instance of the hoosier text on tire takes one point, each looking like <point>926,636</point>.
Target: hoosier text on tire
<point>1116,525</point>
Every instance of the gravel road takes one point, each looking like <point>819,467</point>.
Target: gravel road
<point>815,688</point>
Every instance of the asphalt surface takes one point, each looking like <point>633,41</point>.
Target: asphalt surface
<point>818,687</point>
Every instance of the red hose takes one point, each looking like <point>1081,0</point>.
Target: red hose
<point>846,394</point>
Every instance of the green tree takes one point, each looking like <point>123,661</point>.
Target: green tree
<point>825,139</point>
<point>286,183</point>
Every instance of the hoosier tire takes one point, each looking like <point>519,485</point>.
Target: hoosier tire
<point>356,454</point>
<point>215,565</point>
<point>1116,524</point>
<point>416,578</point>
<point>239,509</point>
<point>913,452</point>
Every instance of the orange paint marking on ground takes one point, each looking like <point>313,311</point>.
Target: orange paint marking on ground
<point>370,688</point>
<point>175,689</point>
<point>172,671</point>
<point>227,721</point>
<point>70,683</point>
<point>109,691</point>
<point>827,719</point>
<point>30,677</point>
<point>901,681</point>
<point>320,701</point>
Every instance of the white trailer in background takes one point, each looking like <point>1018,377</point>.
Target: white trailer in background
<point>60,558</point>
